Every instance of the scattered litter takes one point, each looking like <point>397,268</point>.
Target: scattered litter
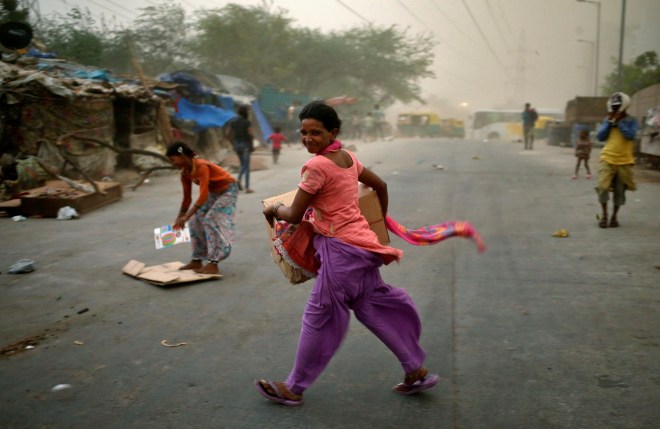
<point>166,344</point>
<point>84,310</point>
<point>29,347</point>
<point>395,173</point>
<point>439,167</point>
<point>66,213</point>
<point>167,236</point>
<point>476,157</point>
<point>561,233</point>
<point>597,216</point>
<point>657,267</point>
<point>22,266</point>
<point>78,342</point>
<point>18,218</point>
<point>60,387</point>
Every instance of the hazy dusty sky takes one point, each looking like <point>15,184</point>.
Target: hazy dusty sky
<point>507,51</point>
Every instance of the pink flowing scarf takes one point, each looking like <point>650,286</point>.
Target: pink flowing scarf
<point>426,235</point>
<point>433,234</point>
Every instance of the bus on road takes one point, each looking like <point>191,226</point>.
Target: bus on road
<point>506,125</point>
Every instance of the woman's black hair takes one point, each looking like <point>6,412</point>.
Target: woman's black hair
<point>323,113</point>
<point>180,148</point>
<point>242,111</point>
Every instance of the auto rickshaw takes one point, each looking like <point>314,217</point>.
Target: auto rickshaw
<point>457,128</point>
<point>421,124</point>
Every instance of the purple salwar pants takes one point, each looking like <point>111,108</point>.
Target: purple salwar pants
<point>349,278</point>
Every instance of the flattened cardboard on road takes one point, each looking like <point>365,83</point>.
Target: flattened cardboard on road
<point>167,274</point>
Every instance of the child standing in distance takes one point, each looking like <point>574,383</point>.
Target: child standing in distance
<point>276,140</point>
<point>582,153</point>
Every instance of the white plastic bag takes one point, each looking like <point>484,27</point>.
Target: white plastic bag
<point>66,213</point>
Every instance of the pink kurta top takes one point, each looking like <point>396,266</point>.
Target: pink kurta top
<point>336,212</point>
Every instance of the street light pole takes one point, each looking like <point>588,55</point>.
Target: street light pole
<point>623,25</point>
<point>597,4</point>
<point>593,65</point>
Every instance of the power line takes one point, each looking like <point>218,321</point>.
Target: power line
<point>497,25</point>
<point>451,21</point>
<point>122,7</point>
<point>506,21</point>
<point>107,8</point>
<point>450,46</point>
<point>444,42</point>
<point>483,36</point>
<point>414,16</point>
<point>354,12</point>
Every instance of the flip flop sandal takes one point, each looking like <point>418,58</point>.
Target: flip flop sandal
<point>603,223</point>
<point>279,393</point>
<point>419,385</point>
<point>614,223</point>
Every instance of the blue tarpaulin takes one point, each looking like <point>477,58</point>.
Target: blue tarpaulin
<point>226,102</point>
<point>94,74</point>
<point>193,85</point>
<point>264,125</point>
<point>204,115</point>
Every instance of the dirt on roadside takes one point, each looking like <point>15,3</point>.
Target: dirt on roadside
<point>646,174</point>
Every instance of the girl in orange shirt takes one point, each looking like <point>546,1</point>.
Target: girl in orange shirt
<point>211,218</point>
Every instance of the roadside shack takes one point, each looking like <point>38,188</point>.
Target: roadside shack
<point>66,122</point>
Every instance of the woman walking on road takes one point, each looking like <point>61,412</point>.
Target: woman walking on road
<point>212,216</point>
<point>350,256</point>
<point>241,137</point>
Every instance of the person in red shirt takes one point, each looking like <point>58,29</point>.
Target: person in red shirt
<point>211,218</point>
<point>276,139</point>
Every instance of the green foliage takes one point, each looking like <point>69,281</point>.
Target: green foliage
<point>251,42</point>
<point>261,45</point>
<point>160,36</point>
<point>257,43</point>
<point>11,12</point>
<point>116,53</point>
<point>74,37</point>
<point>643,71</point>
<point>385,64</point>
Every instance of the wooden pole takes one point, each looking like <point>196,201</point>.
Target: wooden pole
<point>162,118</point>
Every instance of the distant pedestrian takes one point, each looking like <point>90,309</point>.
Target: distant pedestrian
<point>242,139</point>
<point>618,131</point>
<point>292,119</point>
<point>211,218</point>
<point>583,152</point>
<point>529,117</point>
<point>379,122</point>
<point>356,126</point>
<point>368,124</point>
<point>276,140</point>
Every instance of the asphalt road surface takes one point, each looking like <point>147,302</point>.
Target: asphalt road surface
<point>538,332</point>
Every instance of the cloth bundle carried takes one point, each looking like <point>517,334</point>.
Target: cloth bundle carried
<point>295,251</point>
<point>295,248</point>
